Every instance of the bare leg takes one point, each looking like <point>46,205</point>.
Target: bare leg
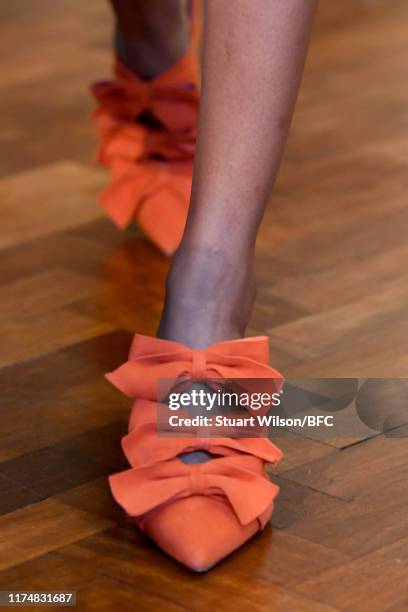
<point>151,35</point>
<point>254,54</point>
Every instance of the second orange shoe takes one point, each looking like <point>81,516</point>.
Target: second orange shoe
<point>151,160</point>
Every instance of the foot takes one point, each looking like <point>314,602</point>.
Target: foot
<point>209,297</point>
<point>155,39</point>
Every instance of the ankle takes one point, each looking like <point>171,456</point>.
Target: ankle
<point>154,44</point>
<point>209,297</point>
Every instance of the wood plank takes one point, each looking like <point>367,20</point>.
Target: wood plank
<point>298,451</point>
<point>46,572</point>
<point>363,467</point>
<point>55,468</point>
<point>284,559</point>
<point>34,336</point>
<point>373,520</point>
<point>41,294</point>
<point>41,528</point>
<point>373,583</point>
<point>38,424</point>
<point>104,594</point>
<point>114,553</point>
<point>49,199</point>
<point>81,364</point>
<point>296,503</point>
<point>14,495</point>
<point>95,497</point>
<point>373,326</point>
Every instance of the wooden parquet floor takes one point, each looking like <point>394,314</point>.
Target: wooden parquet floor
<point>333,298</point>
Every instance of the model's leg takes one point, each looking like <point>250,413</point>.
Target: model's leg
<point>254,54</point>
<point>151,35</point>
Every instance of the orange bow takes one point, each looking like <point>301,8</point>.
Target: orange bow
<point>152,359</point>
<point>142,446</point>
<point>174,104</point>
<point>134,142</point>
<point>154,193</point>
<point>238,479</point>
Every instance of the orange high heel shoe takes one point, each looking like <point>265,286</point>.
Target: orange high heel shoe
<point>151,164</point>
<point>199,512</point>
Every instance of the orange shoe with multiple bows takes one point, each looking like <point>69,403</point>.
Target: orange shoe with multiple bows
<point>147,139</point>
<point>201,512</point>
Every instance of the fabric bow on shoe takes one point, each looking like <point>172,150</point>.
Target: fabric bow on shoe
<point>143,446</point>
<point>152,193</point>
<point>175,105</point>
<point>133,142</point>
<point>238,479</point>
<point>152,359</point>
